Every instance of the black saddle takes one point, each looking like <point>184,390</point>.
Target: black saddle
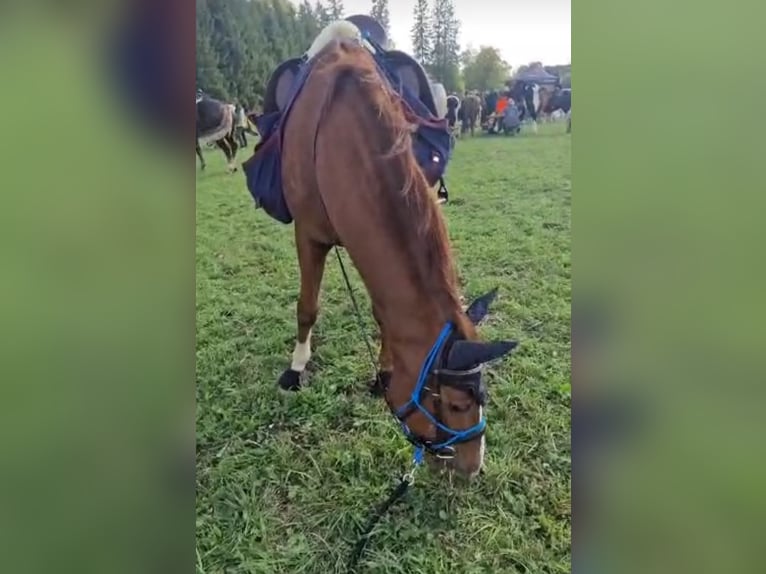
<point>412,75</point>
<point>403,66</point>
<point>370,28</point>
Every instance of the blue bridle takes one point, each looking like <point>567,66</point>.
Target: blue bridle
<point>414,404</point>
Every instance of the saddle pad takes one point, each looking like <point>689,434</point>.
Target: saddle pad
<point>263,170</point>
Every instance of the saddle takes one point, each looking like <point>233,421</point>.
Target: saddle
<point>432,142</point>
<point>413,76</point>
<point>403,66</point>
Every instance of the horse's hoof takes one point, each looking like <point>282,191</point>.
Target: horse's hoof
<point>290,380</point>
<point>381,382</point>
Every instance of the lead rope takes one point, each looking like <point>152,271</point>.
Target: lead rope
<point>359,322</point>
<point>408,478</point>
<point>405,482</point>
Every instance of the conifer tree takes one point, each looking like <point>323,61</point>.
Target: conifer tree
<point>444,59</point>
<point>322,14</point>
<point>421,32</point>
<point>380,13</point>
<point>335,9</point>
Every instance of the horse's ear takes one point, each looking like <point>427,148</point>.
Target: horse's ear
<point>467,354</point>
<point>480,307</point>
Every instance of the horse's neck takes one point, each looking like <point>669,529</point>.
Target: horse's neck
<point>412,319</point>
<point>408,313</point>
<point>411,327</point>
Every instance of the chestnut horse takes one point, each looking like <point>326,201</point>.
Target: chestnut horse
<point>350,179</point>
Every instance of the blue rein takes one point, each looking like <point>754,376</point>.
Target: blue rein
<point>454,436</point>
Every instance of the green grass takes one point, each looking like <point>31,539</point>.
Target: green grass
<point>284,480</point>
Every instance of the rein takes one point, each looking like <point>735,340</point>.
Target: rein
<point>405,482</point>
<point>408,478</point>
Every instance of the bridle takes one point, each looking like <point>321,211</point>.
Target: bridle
<point>465,380</point>
<point>443,447</point>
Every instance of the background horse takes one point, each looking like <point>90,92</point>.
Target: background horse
<point>216,123</point>
<point>471,111</point>
<point>453,111</point>
<point>350,178</point>
<point>527,97</point>
<point>559,99</point>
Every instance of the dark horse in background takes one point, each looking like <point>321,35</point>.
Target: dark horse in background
<point>560,99</point>
<point>216,123</point>
<point>470,110</point>
<point>527,97</point>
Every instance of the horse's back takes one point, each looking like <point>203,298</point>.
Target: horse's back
<point>215,120</point>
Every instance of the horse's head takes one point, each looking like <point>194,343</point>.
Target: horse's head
<point>453,394</point>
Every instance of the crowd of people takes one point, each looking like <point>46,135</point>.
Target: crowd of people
<point>496,104</point>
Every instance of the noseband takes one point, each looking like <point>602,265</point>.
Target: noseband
<point>468,381</point>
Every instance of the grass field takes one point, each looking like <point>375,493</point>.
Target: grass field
<point>284,480</point>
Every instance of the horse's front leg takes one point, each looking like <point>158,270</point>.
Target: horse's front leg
<point>385,359</point>
<point>311,258</point>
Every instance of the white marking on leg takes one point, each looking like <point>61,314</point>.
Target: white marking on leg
<point>301,355</point>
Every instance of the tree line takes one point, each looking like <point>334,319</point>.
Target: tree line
<point>240,42</point>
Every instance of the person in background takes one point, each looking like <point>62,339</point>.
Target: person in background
<point>241,124</point>
<point>502,103</point>
<point>491,101</point>
<point>499,109</point>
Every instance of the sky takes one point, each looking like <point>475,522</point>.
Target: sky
<point>523,30</point>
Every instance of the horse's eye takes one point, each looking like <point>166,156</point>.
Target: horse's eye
<point>455,408</point>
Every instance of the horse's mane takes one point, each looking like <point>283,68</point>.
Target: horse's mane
<point>412,212</point>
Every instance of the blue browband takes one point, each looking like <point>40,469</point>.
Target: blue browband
<point>454,436</point>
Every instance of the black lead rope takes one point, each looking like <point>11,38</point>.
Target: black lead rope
<point>364,538</point>
<point>408,478</point>
<point>359,322</point>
